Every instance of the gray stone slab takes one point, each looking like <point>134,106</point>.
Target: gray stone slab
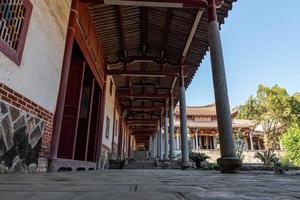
<point>148,184</point>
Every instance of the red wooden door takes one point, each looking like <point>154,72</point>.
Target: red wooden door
<point>70,116</point>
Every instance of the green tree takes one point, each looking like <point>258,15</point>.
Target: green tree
<point>274,110</point>
<point>297,96</point>
<point>291,143</point>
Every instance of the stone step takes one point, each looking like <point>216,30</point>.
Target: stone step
<point>140,165</point>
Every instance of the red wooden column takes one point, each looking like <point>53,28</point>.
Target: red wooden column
<point>58,116</point>
<point>120,139</point>
<point>228,162</point>
<point>100,126</point>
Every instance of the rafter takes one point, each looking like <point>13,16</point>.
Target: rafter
<point>169,16</point>
<point>144,19</point>
<point>121,27</point>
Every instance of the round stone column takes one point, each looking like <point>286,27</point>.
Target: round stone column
<point>228,162</point>
<point>166,156</point>
<point>171,128</point>
<point>183,122</point>
<point>160,141</point>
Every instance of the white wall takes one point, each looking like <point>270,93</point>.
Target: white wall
<point>38,76</point>
<point>108,112</point>
<point>116,137</point>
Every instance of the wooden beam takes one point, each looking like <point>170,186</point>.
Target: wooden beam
<point>143,108</point>
<point>140,59</point>
<point>145,130</point>
<point>145,96</point>
<point>141,134</point>
<point>142,124</point>
<point>141,73</point>
<point>141,120</point>
<point>196,4</point>
<point>191,36</point>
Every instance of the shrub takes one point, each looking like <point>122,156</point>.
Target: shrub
<point>291,143</point>
<point>211,166</point>
<point>240,145</point>
<point>198,158</point>
<point>267,157</point>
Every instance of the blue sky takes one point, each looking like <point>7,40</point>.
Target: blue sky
<point>261,44</point>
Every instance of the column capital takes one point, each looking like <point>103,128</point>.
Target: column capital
<point>216,3</point>
<point>212,9</point>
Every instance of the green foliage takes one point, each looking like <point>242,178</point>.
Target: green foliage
<point>291,143</point>
<point>211,166</point>
<point>297,96</point>
<point>285,162</point>
<point>267,157</point>
<point>198,158</point>
<point>274,109</point>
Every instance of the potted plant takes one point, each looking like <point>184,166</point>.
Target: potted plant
<point>198,158</point>
<point>267,157</point>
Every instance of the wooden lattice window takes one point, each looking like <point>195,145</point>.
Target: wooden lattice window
<point>14,22</point>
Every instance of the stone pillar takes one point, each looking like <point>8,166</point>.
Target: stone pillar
<point>183,122</point>
<point>196,141</point>
<point>166,156</point>
<point>193,142</point>
<point>150,148</point>
<point>200,140</point>
<point>177,139</point>
<point>214,142</point>
<point>251,141</point>
<point>228,162</point>
<point>171,128</point>
<point>58,116</point>
<point>155,146</point>
<point>160,141</point>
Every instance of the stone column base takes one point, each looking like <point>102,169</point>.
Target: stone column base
<point>60,164</point>
<point>185,165</point>
<point>229,164</point>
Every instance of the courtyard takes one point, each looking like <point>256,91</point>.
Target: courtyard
<point>149,184</point>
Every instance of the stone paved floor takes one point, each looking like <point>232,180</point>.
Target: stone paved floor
<point>148,184</point>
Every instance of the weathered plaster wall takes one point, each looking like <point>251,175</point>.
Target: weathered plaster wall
<point>108,112</point>
<point>38,76</point>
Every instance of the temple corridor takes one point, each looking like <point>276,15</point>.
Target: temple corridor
<point>148,184</point>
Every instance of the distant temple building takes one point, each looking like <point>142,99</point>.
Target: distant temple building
<point>203,129</point>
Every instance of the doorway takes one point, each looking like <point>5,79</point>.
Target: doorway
<point>80,125</point>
